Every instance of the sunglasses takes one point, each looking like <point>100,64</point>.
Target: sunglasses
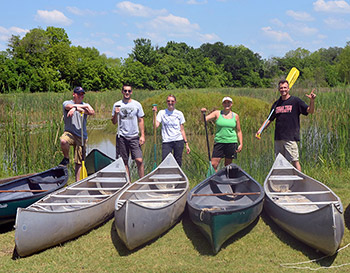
<point>170,101</point>
<point>127,91</point>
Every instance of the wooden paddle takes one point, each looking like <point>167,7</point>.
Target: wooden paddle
<point>83,171</point>
<point>225,193</point>
<point>291,78</point>
<point>211,169</point>
<point>154,109</point>
<point>23,190</point>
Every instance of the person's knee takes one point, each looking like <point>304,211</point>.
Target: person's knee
<point>139,161</point>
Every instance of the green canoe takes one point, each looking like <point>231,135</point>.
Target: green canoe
<point>224,204</point>
<point>96,160</point>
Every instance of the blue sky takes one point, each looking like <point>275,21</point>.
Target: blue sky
<point>268,27</point>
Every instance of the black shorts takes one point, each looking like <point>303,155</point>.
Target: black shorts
<point>225,150</point>
<point>126,146</point>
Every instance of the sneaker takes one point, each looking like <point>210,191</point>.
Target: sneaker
<point>64,162</point>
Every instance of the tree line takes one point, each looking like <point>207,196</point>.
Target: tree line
<point>45,60</point>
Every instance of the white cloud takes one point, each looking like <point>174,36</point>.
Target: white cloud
<point>277,22</point>
<point>278,36</point>
<point>337,23</point>
<point>196,2</point>
<point>209,37</point>
<point>300,15</point>
<point>84,12</point>
<point>332,6</point>
<point>52,17</point>
<point>173,23</point>
<point>138,10</point>
<point>5,34</point>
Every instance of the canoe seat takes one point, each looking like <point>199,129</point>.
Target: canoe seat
<point>165,176</point>
<point>285,177</point>
<point>299,193</point>
<point>230,181</point>
<point>156,191</point>
<point>108,180</point>
<point>95,189</point>
<point>160,182</point>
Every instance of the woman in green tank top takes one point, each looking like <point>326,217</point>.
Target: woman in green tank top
<point>228,139</point>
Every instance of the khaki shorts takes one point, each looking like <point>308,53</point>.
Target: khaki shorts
<point>74,141</point>
<point>289,149</point>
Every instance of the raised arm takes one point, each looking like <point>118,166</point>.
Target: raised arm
<point>312,96</point>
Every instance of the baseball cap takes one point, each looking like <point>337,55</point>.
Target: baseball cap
<point>78,90</point>
<point>227,98</point>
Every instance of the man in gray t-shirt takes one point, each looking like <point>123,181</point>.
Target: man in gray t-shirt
<point>72,110</point>
<point>129,114</point>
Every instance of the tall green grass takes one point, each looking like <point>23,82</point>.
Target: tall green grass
<point>31,124</point>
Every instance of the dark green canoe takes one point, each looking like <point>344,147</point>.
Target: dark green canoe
<point>96,160</point>
<point>224,204</point>
<point>25,191</point>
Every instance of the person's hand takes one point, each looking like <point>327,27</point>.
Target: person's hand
<point>188,150</point>
<point>258,135</point>
<point>142,140</point>
<point>71,112</point>
<point>89,110</point>
<point>117,109</point>
<point>239,148</point>
<point>154,108</point>
<point>203,110</point>
<point>312,95</point>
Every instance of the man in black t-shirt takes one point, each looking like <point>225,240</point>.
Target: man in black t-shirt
<point>286,111</point>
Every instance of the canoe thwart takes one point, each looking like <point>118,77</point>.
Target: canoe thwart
<point>108,180</point>
<point>166,176</point>
<point>165,190</point>
<point>161,182</point>
<point>285,177</point>
<point>309,203</point>
<point>226,193</point>
<point>299,193</point>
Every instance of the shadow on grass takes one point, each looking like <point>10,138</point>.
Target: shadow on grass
<point>296,244</point>
<point>201,243</point>
<point>123,250</point>
<point>347,216</point>
<point>9,226</point>
<point>16,256</point>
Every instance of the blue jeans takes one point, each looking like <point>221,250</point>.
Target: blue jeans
<point>176,147</point>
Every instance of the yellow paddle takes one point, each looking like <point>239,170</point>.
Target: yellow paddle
<point>83,171</point>
<point>291,78</point>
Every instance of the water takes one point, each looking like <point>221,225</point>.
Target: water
<point>105,142</point>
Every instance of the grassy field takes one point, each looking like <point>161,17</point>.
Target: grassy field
<point>27,141</point>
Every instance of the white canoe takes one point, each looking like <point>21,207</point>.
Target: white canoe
<point>69,212</point>
<point>151,205</point>
<point>304,207</point>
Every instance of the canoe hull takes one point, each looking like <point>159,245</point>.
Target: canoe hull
<point>220,217</point>
<point>304,207</point>
<point>9,202</point>
<point>69,212</point>
<point>136,227</point>
<point>322,230</point>
<point>32,235</point>
<point>151,205</point>
<point>218,228</point>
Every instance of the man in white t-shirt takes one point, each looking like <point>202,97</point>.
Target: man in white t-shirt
<point>128,113</point>
<point>173,131</point>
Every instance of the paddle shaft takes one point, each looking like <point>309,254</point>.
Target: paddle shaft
<point>155,135</point>
<point>23,190</point>
<point>225,193</point>
<point>118,132</point>
<point>206,134</point>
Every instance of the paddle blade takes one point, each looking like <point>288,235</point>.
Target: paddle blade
<point>211,170</point>
<point>292,76</point>
<point>83,171</point>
